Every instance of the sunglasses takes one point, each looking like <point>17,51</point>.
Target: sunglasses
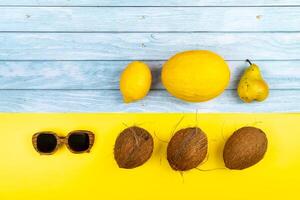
<point>47,142</point>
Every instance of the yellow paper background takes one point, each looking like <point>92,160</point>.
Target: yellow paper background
<point>24,174</point>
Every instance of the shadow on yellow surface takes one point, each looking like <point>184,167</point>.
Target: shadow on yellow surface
<point>24,174</point>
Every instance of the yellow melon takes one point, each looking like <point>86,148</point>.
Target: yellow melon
<point>195,76</point>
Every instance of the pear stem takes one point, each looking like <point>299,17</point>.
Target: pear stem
<point>249,61</point>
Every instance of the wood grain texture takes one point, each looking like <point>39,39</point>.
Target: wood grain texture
<point>149,3</point>
<point>66,55</point>
<point>160,19</point>
<point>146,46</point>
<point>156,101</point>
<point>105,74</point>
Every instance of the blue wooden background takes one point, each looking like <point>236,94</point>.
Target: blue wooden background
<point>66,55</point>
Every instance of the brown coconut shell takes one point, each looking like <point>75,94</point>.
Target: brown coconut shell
<point>187,149</point>
<point>244,148</point>
<point>133,147</point>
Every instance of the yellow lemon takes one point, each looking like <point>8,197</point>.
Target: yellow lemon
<point>135,81</point>
<point>197,75</point>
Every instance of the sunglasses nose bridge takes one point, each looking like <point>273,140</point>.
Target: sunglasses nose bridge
<point>61,139</point>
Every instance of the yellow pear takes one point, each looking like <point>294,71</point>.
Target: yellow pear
<point>252,86</point>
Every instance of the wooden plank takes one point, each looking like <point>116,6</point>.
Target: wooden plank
<point>158,19</point>
<point>146,46</point>
<point>157,101</point>
<point>148,3</point>
<point>105,74</point>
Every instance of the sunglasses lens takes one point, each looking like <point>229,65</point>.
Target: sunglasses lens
<point>46,143</point>
<point>79,141</point>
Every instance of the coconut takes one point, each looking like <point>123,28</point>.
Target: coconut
<point>133,147</point>
<point>187,149</point>
<point>244,148</point>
